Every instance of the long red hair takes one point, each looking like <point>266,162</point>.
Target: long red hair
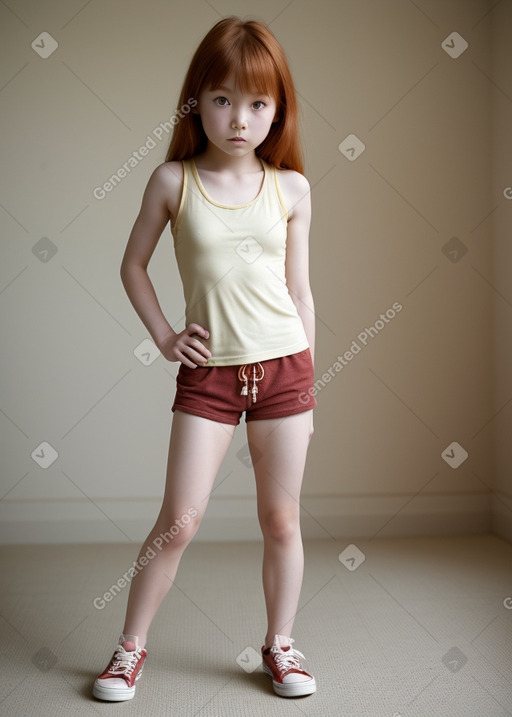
<point>250,51</point>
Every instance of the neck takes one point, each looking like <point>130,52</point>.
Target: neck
<point>215,160</point>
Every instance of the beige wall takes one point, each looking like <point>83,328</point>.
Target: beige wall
<point>435,167</point>
<point>501,73</point>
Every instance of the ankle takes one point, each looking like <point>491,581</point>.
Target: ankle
<point>131,642</point>
<point>284,641</point>
<point>129,646</point>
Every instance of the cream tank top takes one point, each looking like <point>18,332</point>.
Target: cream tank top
<point>231,261</point>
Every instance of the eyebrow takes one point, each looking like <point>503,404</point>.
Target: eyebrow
<point>230,89</point>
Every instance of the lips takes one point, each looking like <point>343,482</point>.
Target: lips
<point>236,139</point>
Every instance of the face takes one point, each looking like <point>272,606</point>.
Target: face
<point>227,113</point>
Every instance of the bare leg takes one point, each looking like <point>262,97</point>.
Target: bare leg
<point>278,448</point>
<point>197,448</point>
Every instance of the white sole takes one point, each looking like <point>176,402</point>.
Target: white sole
<point>114,694</point>
<point>291,689</point>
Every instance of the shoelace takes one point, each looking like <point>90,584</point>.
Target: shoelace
<point>124,661</point>
<point>287,660</point>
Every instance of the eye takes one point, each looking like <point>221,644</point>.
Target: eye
<point>258,102</point>
<point>221,101</point>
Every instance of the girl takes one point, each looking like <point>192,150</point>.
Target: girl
<point>239,206</point>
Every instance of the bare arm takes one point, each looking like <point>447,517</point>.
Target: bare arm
<point>297,257</point>
<point>149,225</point>
<point>297,261</point>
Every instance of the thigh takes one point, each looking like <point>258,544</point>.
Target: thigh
<point>197,448</point>
<point>278,449</point>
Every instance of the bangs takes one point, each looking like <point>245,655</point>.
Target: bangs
<point>251,66</point>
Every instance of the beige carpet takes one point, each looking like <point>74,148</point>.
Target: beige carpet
<point>421,628</point>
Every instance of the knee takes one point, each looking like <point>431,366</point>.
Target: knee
<point>176,534</point>
<point>280,525</point>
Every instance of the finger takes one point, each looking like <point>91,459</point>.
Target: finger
<point>200,348</point>
<point>188,359</point>
<point>197,329</point>
<point>194,356</point>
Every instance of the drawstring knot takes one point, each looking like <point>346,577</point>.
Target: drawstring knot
<point>257,372</point>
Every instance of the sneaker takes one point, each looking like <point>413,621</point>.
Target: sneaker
<point>117,683</point>
<point>288,676</point>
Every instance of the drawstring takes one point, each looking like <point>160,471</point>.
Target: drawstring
<point>257,374</point>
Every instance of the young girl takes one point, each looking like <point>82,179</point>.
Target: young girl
<point>239,206</point>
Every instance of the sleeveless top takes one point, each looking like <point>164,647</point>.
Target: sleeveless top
<point>231,260</point>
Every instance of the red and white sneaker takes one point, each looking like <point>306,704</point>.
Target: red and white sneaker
<point>288,676</point>
<point>117,682</point>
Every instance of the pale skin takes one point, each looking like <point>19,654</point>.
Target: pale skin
<point>231,173</point>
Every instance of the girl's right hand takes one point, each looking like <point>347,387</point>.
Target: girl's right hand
<point>185,348</point>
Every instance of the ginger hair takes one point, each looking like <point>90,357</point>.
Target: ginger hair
<point>249,51</point>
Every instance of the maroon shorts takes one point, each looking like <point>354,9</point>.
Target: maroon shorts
<point>284,386</point>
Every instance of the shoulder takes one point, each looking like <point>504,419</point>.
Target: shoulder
<point>168,174</point>
<point>294,188</point>
<point>167,182</point>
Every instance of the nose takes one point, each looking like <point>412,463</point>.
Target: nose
<point>238,121</point>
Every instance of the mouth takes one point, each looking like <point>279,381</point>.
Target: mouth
<point>236,139</point>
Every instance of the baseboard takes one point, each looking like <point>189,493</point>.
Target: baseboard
<point>234,518</point>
